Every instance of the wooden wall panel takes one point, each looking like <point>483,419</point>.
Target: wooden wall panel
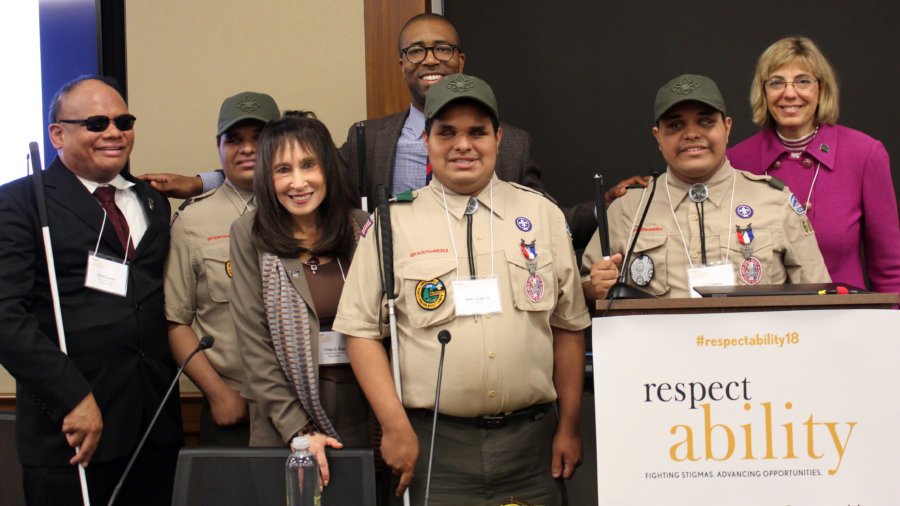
<point>385,90</point>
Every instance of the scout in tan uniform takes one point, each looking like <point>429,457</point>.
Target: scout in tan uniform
<point>708,224</point>
<point>517,350</point>
<point>198,272</point>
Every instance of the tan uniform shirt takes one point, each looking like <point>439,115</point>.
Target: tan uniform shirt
<point>495,363</point>
<point>198,274</point>
<point>783,248</point>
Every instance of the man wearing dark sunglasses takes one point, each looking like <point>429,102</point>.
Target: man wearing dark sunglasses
<point>110,237</point>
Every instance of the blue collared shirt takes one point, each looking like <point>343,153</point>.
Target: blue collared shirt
<point>411,158</point>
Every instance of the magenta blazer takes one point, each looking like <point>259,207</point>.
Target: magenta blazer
<point>853,208</point>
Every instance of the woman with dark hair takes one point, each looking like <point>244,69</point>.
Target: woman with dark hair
<point>841,177</point>
<point>288,261</point>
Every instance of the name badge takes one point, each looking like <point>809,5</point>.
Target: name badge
<point>106,274</point>
<point>333,348</point>
<point>476,296</point>
<point>710,275</point>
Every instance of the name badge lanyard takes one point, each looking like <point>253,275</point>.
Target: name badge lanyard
<point>811,186</point>
<point>100,236</point>
<point>473,296</point>
<point>453,241</point>
<point>702,232</point>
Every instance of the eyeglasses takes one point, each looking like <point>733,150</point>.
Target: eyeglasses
<point>801,83</point>
<point>441,52</point>
<point>124,122</point>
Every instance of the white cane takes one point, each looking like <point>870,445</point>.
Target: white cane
<point>387,258</point>
<point>37,171</point>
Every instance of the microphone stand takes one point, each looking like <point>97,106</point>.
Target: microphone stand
<point>443,338</point>
<point>622,290</point>
<point>206,342</point>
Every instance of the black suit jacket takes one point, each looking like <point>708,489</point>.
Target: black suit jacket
<point>514,164</point>
<point>117,346</point>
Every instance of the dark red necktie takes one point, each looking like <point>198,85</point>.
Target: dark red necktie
<point>107,197</point>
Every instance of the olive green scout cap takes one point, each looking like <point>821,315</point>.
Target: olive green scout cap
<point>684,88</point>
<point>459,86</point>
<point>247,105</point>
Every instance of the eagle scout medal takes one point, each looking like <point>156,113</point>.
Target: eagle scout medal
<point>745,237</point>
<point>530,254</point>
<point>534,285</point>
<point>743,211</point>
<point>642,270</point>
<point>430,294</point>
<point>751,271</point>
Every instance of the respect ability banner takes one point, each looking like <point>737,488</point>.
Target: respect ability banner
<point>775,408</point>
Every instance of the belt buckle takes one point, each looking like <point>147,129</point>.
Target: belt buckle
<point>490,422</point>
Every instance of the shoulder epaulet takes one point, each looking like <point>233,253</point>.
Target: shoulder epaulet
<point>773,181</point>
<point>532,190</point>
<point>190,201</point>
<point>183,205</point>
<point>776,183</point>
<point>407,196</point>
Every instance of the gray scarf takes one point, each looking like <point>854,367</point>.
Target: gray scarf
<point>288,317</point>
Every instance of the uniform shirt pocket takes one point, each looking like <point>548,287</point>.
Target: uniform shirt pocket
<point>217,264</point>
<point>532,293</point>
<point>425,294</point>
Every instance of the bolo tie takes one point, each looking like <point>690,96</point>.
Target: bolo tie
<point>698,194</point>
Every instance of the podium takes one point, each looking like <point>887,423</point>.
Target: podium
<point>622,307</point>
<point>711,400</point>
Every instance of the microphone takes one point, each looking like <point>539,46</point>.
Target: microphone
<point>206,342</point>
<point>443,338</point>
<point>622,290</point>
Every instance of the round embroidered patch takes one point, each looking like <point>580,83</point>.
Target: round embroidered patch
<point>743,211</point>
<point>228,268</point>
<point>430,294</point>
<point>523,223</point>
<point>642,270</point>
<point>534,287</point>
<point>751,271</point>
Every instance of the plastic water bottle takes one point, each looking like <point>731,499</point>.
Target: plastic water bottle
<point>302,475</point>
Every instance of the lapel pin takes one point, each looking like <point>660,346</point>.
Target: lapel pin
<point>824,147</point>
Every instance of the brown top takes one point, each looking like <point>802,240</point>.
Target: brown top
<point>326,285</point>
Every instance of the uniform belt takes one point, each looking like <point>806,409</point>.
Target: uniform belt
<point>490,422</point>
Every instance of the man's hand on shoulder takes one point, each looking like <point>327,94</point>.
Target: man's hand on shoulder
<point>174,185</point>
<point>621,188</point>
<point>83,427</point>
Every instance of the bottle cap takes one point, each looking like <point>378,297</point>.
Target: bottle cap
<point>300,443</point>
